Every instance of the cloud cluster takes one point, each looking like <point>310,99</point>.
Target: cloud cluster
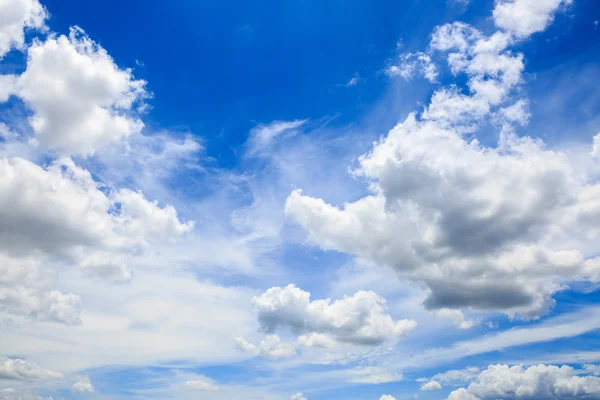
<point>83,386</point>
<point>360,319</point>
<point>412,65</point>
<point>20,370</point>
<point>431,385</point>
<point>202,384</point>
<point>60,213</point>
<point>540,382</point>
<point>16,16</point>
<point>480,227</point>
<point>457,317</point>
<point>270,347</point>
<point>81,100</point>
<point>523,18</point>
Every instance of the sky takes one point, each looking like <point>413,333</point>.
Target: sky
<point>300,200</point>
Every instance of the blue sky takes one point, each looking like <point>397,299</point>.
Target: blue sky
<point>299,200</point>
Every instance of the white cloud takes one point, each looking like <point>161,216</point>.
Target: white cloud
<point>457,317</point>
<point>442,209</point>
<point>61,208</point>
<point>457,35</point>
<point>156,317</point>
<point>298,396</point>
<point>526,17</point>
<point>20,370</point>
<point>540,382</point>
<point>7,88</point>
<point>517,112</point>
<point>468,227</point>
<point>202,384</point>
<point>592,369</point>
<point>493,72</point>
<point>108,266</point>
<point>353,81</point>
<point>60,213</point>
<point>83,386</point>
<point>16,16</point>
<point>387,397</point>
<point>431,385</point>
<point>596,147</point>
<point>316,340</point>
<point>262,135</point>
<point>26,289</point>
<point>81,99</point>
<point>412,65</point>
<point>360,319</point>
<point>270,347</point>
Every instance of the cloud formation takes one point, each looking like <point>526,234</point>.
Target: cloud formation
<point>540,382</point>
<point>431,385</point>
<point>26,288</point>
<point>523,18</point>
<point>81,99</point>
<point>83,386</point>
<point>60,212</point>
<point>360,319</point>
<point>270,347</point>
<point>17,16</point>
<point>443,210</point>
<point>202,384</point>
<point>14,369</point>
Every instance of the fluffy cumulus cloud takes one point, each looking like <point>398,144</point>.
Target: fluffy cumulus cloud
<point>21,370</point>
<point>83,386</point>
<point>60,212</point>
<point>61,208</point>
<point>492,69</point>
<point>360,319</point>
<point>443,211</point>
<point>525,17</point>
<point>81,100</point>
<point>457,317</point>
<point>201,384</point>
<point>539,382</point>
<point>387,397</point>
<point>16,16</point>
<point>298,396</point>
<point>270,347</point>
<point>431,385</point>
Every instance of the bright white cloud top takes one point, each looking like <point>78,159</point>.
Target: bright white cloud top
<point>443,209</point>
<point>16,17</point>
